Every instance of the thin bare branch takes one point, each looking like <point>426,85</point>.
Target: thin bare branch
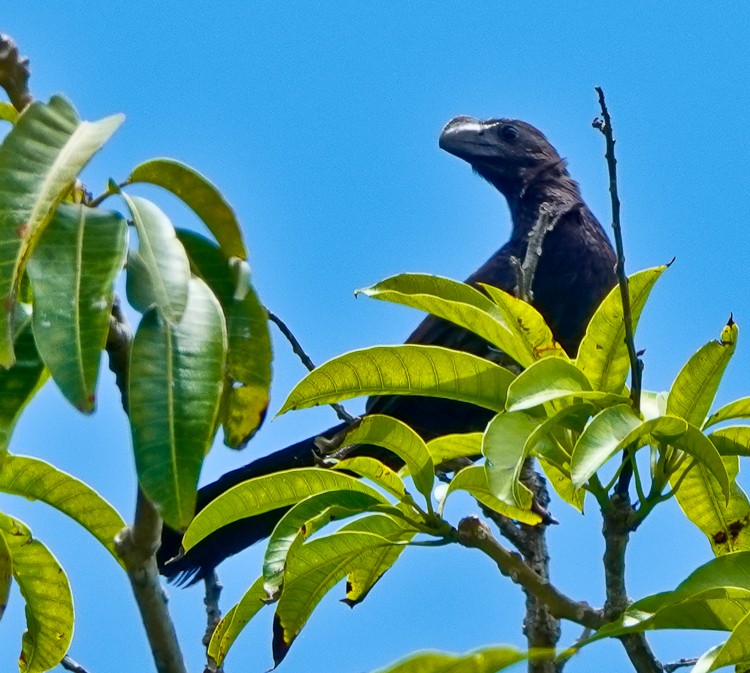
<point>14,73</point>
<point>342,413</point>
<point>72,665</point>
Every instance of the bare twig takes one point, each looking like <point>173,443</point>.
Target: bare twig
<point>668,668</point>
<point>342,413</point>
<point>474,533</point>
<point>211,601</point>
<point>14,73</point>
<point>72,665</point>
<point>137,544</point>
<point>636,366</point>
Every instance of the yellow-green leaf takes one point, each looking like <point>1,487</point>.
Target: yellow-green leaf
<point>473,480</point>
<point>8,113</point>
<point>602,355</point>
<point>72,272</point>
<point>36,480</point>
<point>403,370</point>
<point>450,447</point>
<point>199,194</point>
<point>175,382</point>
<point>46,592</point>
<point>527,325</point>
<point>737,409</point>
<point>377,472</point>
<point>399,438</point>
<point>234,621</point>
<point>694,389</point>
<point>40,158</point>
<point>265,493</point>
<point>503,445</point>
<point>6,575</point>
<point>457,302</point>
<point>486,660</point>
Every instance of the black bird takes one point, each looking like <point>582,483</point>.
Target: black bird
<point>574,273</point>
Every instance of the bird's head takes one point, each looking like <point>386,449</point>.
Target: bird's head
<point>509,153</point>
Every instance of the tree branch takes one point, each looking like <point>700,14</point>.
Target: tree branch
<point>636,366</point>
<point>474,533</point>
<point>14,73</point>
<point>137,544</point>
<point>72,665</point>
<point>342,413</point>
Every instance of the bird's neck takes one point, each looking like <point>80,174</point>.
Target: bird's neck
<point>552,186</point>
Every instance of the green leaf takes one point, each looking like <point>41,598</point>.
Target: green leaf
<point>200,195</point>
<point>527,325</point>
<point>732,441</point>
<point>176,374</point>
<point>695,387</point>
<point>457,302</point>
<point>563,485</point>
<point>737,409</point>
<point>554,379</point>
<point>8,113</point>
<point>19,384</point>
<point>246,390</point>
<point>736,650</point>
<point>39,159</point>
<point>703,499</point>
<point>317,567</point>
<point>377,472</point>
<point>304,519</point>
<point>367,569</point>
<point>46,592</point>
<point>602,439</point>
<point>6,575</point>
<point>36,480</point>
<point>162,257</point>
<point>486,660</point>
<point>473,480</point>
<point>265,493</point>
<point>450,447</point>
<point>602,355</point>
<point>234,621</point>
<point>503,445</point>
<point>403,370</point>
<point>552,440</point>
<point>399,438</point>
<point>72,272</point>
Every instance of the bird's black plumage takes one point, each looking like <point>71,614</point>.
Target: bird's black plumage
<point>574,273</point>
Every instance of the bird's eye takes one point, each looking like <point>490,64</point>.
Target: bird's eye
<point>509,132</point>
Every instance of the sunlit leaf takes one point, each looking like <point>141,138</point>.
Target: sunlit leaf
<point>40,158</point>
<point>399,438</point>
<point>265,493</point>
<point>199,194</point>
<point>36,480</point>
<point>554,379</point>
<point>377,472</point>
<point>72,272</point>
<point>694,389</point>
<point>249,355</point>
<point>450,447</point>
<point>562,483</point>
<point>503,445</point>
<point>46,592</point>
<point>602,355</point>
<point>551,439</point>
<point>176,374</point>
<point>163,256</point>
<point>526,324</point>
<point>457,302</point>
<point>737,409</point>
<point>316,568</point>
<point>702,498</point>
<point>6,575</point>
<point>304,519</point>
<point>486,660</point>
<point>736,650</point>
<point>8,113</point>
<point>732,441</point>
<point>473,480</point>
<point>403,370</point>
<point>19,383</point>
<point>234,621</point>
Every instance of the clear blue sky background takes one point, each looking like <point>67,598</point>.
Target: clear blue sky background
<point>319,121</point>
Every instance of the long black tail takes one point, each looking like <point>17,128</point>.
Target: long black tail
<point>205,556</point>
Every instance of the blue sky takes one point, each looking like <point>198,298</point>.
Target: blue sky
<point>319,121</point>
